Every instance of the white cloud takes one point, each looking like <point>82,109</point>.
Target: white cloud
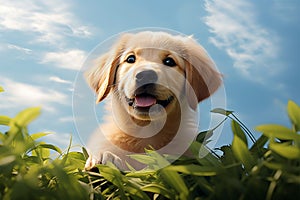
<point>19,48</point>
<point>66,119</point>
<point>59,80</point>
<point>51,21</point>
<point>71,59</point>
<point>237,31</point>
<point>287,12</point>
<point>21,94</point>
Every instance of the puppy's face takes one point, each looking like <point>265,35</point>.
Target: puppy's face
<point>150,72</point>
<point>149,81</point>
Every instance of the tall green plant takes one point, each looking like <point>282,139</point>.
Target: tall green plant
<point>248,168</point>
<point>27,170</point>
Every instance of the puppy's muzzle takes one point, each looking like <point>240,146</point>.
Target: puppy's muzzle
<point>145,94</point>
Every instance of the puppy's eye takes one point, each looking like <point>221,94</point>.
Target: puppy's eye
<point>169,62</point>
<point>130,59</point>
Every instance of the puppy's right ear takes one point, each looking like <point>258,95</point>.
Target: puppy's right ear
<point>102,77</point>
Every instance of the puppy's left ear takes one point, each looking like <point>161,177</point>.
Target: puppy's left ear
<point>101,77</point>
<point>201,74</point>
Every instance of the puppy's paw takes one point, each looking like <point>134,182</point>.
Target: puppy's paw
<point>108,156</point>
<point>105,158</point>
<point>90,163</point>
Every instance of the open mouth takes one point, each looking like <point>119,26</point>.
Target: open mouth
<point>143,102</point>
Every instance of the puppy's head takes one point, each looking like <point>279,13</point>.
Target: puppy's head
<point>150,71</point>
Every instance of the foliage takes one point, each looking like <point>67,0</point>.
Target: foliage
<point>27,170</point>
<point>267,169</point>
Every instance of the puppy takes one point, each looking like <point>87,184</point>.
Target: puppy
<point>152,83</point>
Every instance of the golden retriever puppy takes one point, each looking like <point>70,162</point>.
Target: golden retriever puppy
<point>152,82</point>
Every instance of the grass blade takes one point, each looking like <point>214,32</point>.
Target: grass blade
<point>4,120</point>
<point>222,111</point>
<point>287,151</point>
<point>294,114</point>
<point>158,189</point>
<point>195,170</point>
<point>26,116</point>
<point>36,136</point>
<point>237,130</point>
<point>278,131</point>
<point>241,152</point>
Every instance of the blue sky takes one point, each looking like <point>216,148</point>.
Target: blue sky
<point>43,45</point>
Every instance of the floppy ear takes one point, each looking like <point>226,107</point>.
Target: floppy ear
<point>203,79</point>
<point>102,77</point>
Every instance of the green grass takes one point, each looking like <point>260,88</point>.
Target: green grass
<point>265,168</point>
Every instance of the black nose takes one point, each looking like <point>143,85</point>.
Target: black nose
<point>145,77</point>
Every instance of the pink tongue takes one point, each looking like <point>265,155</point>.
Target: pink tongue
<point>144,101</point>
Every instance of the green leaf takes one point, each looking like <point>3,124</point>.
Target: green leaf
<point>4,120</point>
<point>204,135</point>
<point>285,150</point>
<point>158,189</point>
<point>75,160</point>
<point>160,161</point>
<point>195,170</point>
<point>222,111</point>
<point>135,192</point>
<point>85,153</point>
<point>203,155</point>
<point>228,157</point>
<point>259,144</point>
<point>170,177</point>
<point>237,130</point>
<point>1,89</point>
<point>115,177</point>
<point>44,152</point>
<point>26,116</point>
<point>36,136</point>
<point>151,158</point>
<point>278,131</point>
<point>7,160</point>
<point>2,137</point>
<point>141,173</point>
<point>241,152</point>
<point>274,166</point>
<point>76,156</point>
<point>50,146</point>
<point>176,181</point>
<point>142,158</point>
<point>294,114</point>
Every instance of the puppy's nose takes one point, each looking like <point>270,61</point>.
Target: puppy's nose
<point>147,76</point>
